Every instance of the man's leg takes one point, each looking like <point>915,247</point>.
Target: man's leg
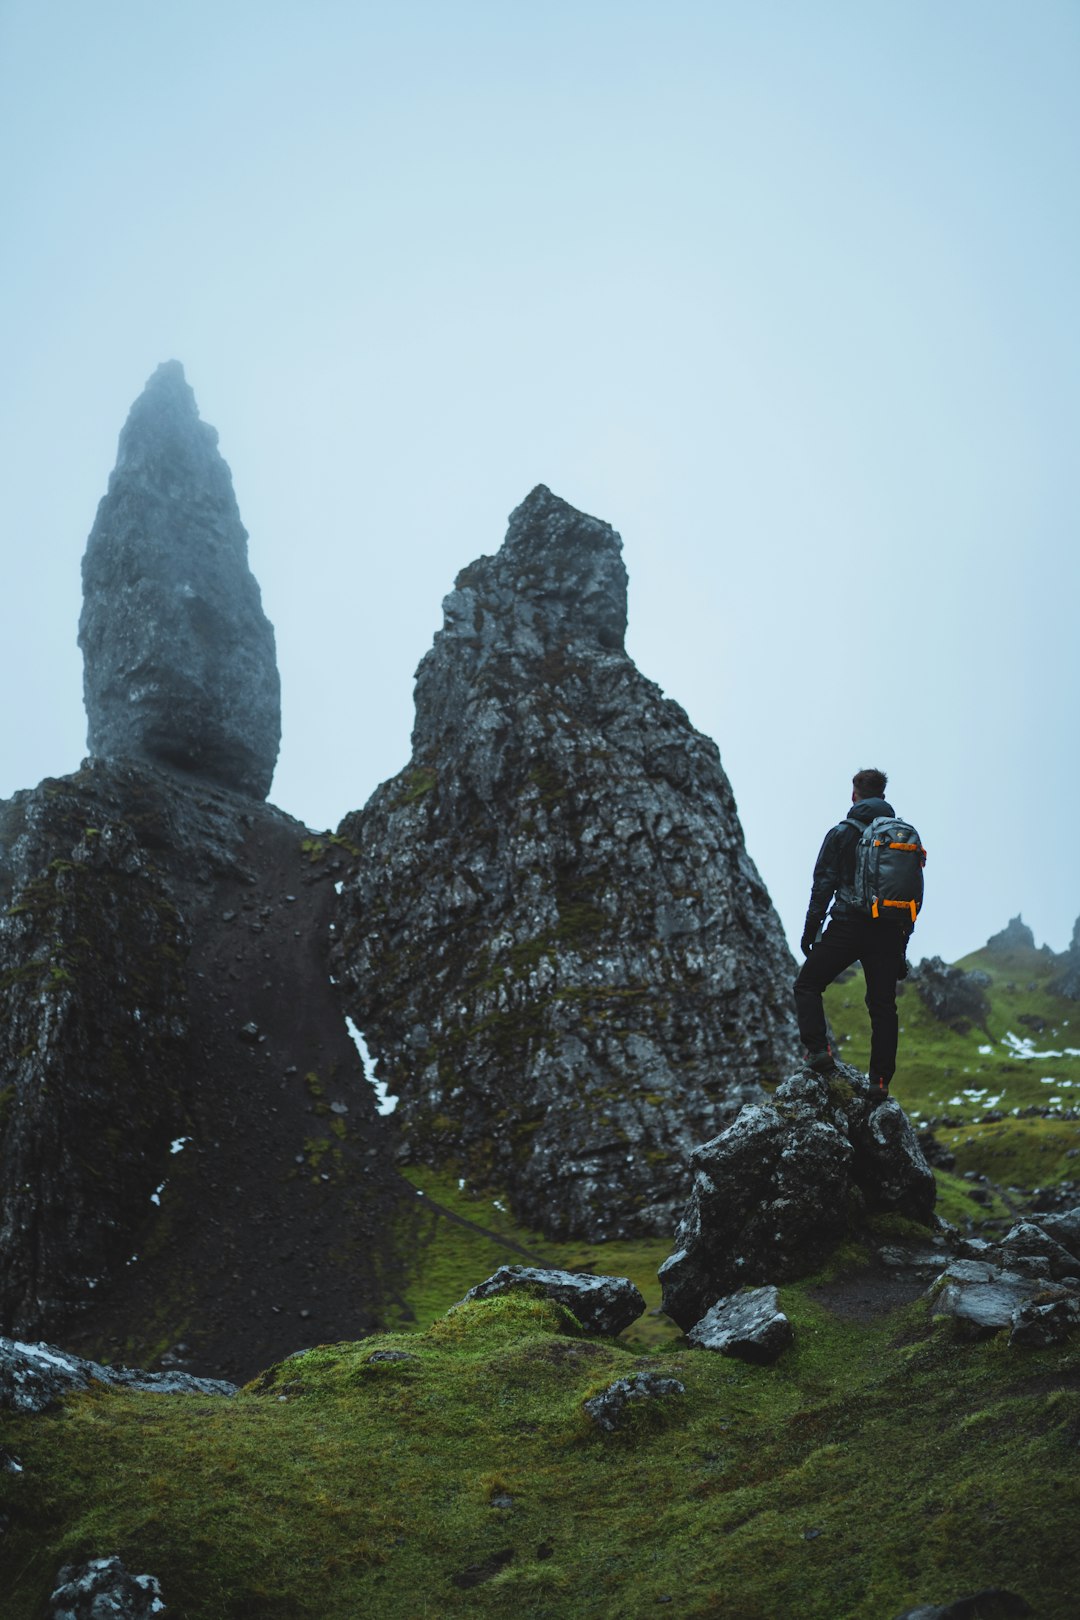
<point>881,961</point>
<point>835,950</point>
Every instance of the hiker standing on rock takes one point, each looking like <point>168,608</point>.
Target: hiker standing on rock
<point>872,863</point>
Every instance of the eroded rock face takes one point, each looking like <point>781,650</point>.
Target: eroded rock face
<point>554,941</point>
<point>179,659</point>
<point>787,1181</point>
<point>183,1117</point>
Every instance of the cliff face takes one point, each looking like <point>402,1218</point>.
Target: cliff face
<point>179,659</point>
<point>189,1150</point>
<point>552,935</point>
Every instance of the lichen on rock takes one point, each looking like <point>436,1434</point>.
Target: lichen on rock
<point>564,961</point>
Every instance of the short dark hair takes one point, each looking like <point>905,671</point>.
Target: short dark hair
<point>870,784</point>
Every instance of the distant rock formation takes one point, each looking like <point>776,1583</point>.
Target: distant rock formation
<point>179,661</point>
<point>954,997</point>
<point>189,1150</point>
<point>1067,982</point>
<point>1016,936</point>
<point>552,936</point>
<point>775,1193</point>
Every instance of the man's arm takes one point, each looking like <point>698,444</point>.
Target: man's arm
<point>825,883</point>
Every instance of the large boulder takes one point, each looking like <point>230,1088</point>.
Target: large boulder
<point>552,937</point>
<point>787,1181</point>
<point>750,1326</point>
<point>179,659</point>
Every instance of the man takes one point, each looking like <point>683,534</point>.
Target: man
<point>880,943</point>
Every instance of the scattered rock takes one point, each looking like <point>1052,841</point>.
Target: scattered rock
<point>562,958</point>
<point>474,1574</point>
<point>1025,1243</point>
<point>179,659</point>
<point>1040,1322</point>
<point>954,997</point>
<point>750,1326</point>
<point>392,1355</point>
<point>777,1190</point>
<point>608,1409</point>
<point>34,1377</point>
<point>604,1305</point>
<point>103,1590</point>
<point>984,1297</point>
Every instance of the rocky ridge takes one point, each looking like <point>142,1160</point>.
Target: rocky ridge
<point>552,936</point>
<point>179,659</point>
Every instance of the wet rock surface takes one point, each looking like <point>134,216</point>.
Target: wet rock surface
<point>750,1326</point>
<point>1029,1282</point>
<point>604,1305</point>
<point>553,939</point>
<point>608,1410</point>
<point>179,658</point>
<point>153,1165</point>
<point>35,1377</point>
<point>787,1181</point>
<point>102,1589</point>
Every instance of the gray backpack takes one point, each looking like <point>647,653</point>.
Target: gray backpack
<point>888,882</point>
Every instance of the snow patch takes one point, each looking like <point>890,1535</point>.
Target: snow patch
<point>385,1104</point>
<point>178,1144</point>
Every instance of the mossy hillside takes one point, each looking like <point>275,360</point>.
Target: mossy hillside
<point>872,1467</point>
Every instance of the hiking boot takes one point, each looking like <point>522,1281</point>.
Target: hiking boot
<point>821,1062</point>
<point>879,1090</point>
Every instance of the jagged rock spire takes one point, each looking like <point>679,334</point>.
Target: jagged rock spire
<point>179,659</point>
<point>553,939</point>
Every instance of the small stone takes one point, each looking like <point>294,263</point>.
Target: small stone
<point>339,1108</point>
<point>249,1032</point>
<point>608,1409</point>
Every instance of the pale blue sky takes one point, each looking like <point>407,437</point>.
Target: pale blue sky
<point>785,292</point>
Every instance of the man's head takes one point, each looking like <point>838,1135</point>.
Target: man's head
<point>868,785</point>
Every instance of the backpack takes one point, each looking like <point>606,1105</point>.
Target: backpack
<point>888,881</point>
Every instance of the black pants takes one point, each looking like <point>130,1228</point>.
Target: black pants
<point>879,947</point>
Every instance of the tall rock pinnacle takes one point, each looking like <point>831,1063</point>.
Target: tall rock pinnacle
<point>566,965</point>
<point>179,660</point>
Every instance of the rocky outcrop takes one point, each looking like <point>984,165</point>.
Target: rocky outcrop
<point>179,661</point>
<point>162,1171</point>
<point>1029,1282</point>
<point>949,994</point>
<point>601,1304</point>
<point>1067,981</point>
<point>35,1377</point>
<point>1015,936</point>
<point>552,936</point>
<point>777,1190</point>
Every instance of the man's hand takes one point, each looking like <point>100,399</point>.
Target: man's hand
<point>806,944</point>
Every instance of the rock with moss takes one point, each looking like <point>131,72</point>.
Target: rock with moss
<point>179,659</point>
<point>35,1377</point>
<point>604,1305</point>
<point>609,1409</point>
<point>553,939</point>
<point>791,1178</point>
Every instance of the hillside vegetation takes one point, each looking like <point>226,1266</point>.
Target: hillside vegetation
<point>884,1460</point>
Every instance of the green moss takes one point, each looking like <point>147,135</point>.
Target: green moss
<point>873,1467</point>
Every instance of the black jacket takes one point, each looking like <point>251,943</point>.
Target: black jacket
<point>835,865</point>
